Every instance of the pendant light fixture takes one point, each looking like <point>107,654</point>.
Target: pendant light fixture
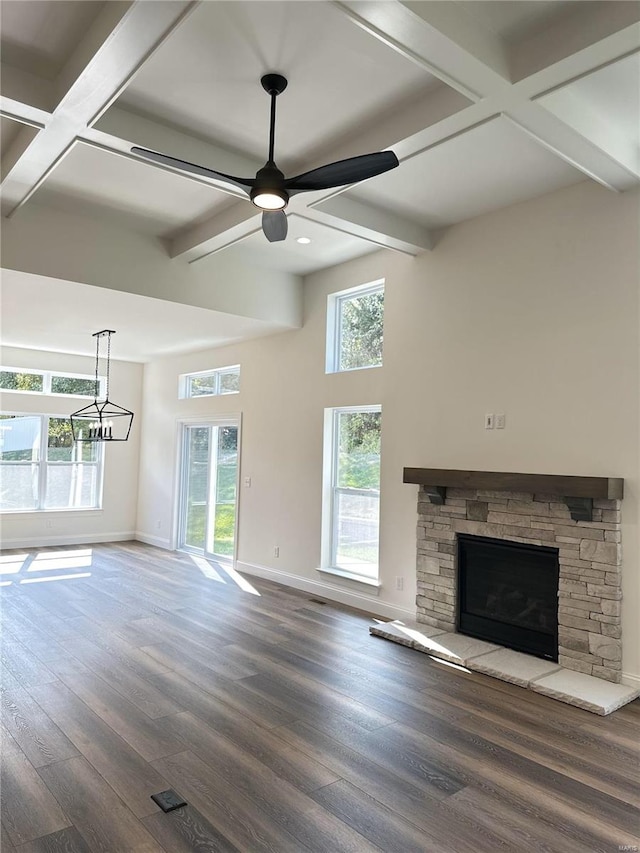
<point>104,420</point>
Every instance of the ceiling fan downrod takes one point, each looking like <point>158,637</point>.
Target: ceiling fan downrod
<point>268,192</point>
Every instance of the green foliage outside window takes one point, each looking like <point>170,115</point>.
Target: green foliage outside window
<point>61,447</point>
<point>71,385</point>
<point>359,450</point>
<point>361,331</point>
<point>11,381</point>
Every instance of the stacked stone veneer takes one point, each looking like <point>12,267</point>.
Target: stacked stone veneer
<point>589,594</point>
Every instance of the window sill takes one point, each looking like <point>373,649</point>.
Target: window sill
<point>333,370</point>
<point>349,576</point>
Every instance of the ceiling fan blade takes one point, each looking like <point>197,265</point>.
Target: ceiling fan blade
<point>274,225</point>
<point>242,183</point>
<point>343,172</point>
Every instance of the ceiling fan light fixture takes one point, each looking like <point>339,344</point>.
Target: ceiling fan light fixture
<point>269,199</point>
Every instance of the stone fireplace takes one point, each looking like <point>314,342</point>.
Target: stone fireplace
<point>579,517</point>
<point>568,590</point>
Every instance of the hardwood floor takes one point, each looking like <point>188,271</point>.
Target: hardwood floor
<point>284,725</point>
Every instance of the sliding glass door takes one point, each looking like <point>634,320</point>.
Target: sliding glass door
<point>209,489</point>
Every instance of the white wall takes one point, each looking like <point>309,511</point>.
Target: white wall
<point>531,311</point>
<point>117,518</point>
<point>93,250</point>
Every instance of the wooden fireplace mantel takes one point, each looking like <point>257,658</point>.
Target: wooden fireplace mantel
<point>577,492</point>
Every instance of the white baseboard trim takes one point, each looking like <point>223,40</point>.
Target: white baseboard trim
<point>360,600</point>
<point>148,539</point>
<point>66,539</point>
<point>631,680</point>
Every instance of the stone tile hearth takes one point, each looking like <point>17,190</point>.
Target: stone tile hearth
<point>584,691</point>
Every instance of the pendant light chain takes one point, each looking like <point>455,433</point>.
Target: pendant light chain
<point>108,360</point>
<point>97,386</point>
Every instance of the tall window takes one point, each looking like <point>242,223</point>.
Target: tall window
<point>209,487</point>
<point>353,448</point>
<point>355,328</point>
<point>41,467</point>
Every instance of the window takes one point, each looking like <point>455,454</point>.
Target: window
<point>352,493</point>
<point>355,328</point>
<point>41,467</point>
<point>210,383</point>
<point>48,382</point>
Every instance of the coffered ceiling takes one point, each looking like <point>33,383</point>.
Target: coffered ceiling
<point>485,104</point>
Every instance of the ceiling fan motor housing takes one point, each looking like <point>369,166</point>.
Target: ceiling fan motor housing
<point>269,181</point>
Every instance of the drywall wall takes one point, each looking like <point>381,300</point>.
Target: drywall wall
<point>531,311</point>
<point>68,246</point>
<point>116,519</point>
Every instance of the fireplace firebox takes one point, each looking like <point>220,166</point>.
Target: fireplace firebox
<point>508,594</point>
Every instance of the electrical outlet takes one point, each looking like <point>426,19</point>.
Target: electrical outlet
<point>500,420</point>
<point>489,420</point>
<point>158,524</point>
<point>247,482</point>
<point>276,551</point>
<point>399,583</point>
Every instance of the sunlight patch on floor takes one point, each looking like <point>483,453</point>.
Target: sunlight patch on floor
<point>11,564</point>
<point>207,569</point>
<point>237,578</point>
<point>46,561</point>
<point>43,564</point>
<point>214,573</point>
<point>56,578</point>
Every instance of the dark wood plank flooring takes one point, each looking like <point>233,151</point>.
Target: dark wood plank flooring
<point>284,725</point>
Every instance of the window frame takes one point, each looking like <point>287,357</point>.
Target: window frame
<point>43,463</point>
<point>47,378</point>
<point>330,490</point>
<point>184,382</point>
<point>335,302</point>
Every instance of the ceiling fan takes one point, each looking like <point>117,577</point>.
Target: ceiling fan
<point>270,190</point>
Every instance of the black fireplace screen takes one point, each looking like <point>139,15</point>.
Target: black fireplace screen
<point>508,594</point>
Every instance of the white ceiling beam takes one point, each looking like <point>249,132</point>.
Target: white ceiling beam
<point>573,147</point>
<point>578,111</point>
<point>118,130</point>
<point>137,33</point>
<point>227,227</point>
<point>481,50</point>
<point>413,30</point>
<point>104,28</point>
<point>362,219</point>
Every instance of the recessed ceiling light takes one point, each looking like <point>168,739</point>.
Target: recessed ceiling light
<point>303,240</point>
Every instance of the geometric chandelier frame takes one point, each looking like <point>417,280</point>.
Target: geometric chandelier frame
<point>104,420</point>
